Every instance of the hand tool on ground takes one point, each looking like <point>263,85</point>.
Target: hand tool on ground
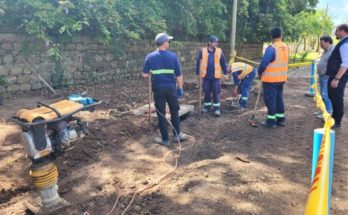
<point>38,75</point>
<point>149,88</point>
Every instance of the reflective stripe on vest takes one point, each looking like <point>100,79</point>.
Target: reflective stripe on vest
<point>204,62</point>
<point>162,71</point>
<point>277,70</point>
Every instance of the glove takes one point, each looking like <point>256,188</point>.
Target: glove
<point>180,92</point>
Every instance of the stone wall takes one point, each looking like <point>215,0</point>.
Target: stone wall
<point>85,61</point>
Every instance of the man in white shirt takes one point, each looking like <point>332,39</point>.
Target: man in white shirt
<point>337,67</point>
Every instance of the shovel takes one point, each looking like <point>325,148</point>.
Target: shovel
<point>252,120</point>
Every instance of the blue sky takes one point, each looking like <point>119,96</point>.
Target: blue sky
<point>338,10</point>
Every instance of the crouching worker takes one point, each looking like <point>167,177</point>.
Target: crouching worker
<point>210,65</point>
<point>166,74</point>
<point>243,76</point>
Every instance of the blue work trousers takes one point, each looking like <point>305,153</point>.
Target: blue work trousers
<point>245,87</point>
<point>212,86</point>
<point>273,98</point>
<point>323,81</point>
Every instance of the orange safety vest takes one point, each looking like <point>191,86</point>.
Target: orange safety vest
<point>204,62</point>
<point>277,71</point>
<point>245,69</point>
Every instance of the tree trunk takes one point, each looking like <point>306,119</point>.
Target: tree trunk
<point>318,47</point>
<point>299,43</point>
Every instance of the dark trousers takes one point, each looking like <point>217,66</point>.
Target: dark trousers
<point>336,96</point>
<point>161,97</point>
<point>273,97</point>
<point>211,86</point>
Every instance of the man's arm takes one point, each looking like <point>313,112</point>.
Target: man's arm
<point>267,59</point>
<point>223,63</point>
<point>235,78</point>
<point>146,69</point>
<point>178,74</point>
<point>344,66</point>
<point>180,81</point>
<point>236,83</point>
<point>198,62</point>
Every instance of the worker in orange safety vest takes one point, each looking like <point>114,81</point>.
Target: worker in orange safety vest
<point>211,63</point>
<point>273,72</point>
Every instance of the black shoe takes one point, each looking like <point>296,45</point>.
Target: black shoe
<point>282,123</point>
<point>217,113</point>
<point>161,142</point>
<point>267,125</point>
<point>337,125</point>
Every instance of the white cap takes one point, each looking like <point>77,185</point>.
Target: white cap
<point>161,38</point>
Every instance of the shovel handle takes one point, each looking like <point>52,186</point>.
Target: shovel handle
<point>149,100</point>
<point>258,98</point>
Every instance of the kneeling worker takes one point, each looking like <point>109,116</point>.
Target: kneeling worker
<point>243,76</point>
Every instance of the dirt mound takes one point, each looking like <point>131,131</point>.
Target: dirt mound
<point>232,168</point>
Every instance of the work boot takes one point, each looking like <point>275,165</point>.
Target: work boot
<point>242,108</point>
<point>217,112</point>
<point>321,116</point>
<point>161,141</point>
<point>268,125</point>
<point>206,109</point>
<point>182,137</point>
<point>235,105</point>
<point>280,122</point>
<point>243,103</point>
<point>317,112</point>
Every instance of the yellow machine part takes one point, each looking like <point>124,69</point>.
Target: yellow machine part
<point>45,176</point>
<point>63,107</point>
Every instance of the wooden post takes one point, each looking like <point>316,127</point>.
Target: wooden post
<point>233,29</point>
<point>199,97</point>
<point>149,88</point>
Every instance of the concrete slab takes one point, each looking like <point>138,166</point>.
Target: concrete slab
<point>144,110</point>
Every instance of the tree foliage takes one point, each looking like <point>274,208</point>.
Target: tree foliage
<point>257,17</point>
<point>54,21</point>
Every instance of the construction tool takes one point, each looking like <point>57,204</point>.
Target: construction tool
<point>149,87</point>
<point>38,75</point>
<point>252,120</point>
<point>47,132</point>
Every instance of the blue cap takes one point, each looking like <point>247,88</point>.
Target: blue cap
<point>161,38</point>
<point>213,38</point>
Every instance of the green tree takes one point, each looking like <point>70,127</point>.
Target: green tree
<point>257,17</point>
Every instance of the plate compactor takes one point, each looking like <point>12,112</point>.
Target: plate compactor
<point>47,132</point>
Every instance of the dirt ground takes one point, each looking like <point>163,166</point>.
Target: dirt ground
<point>226,167</point>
